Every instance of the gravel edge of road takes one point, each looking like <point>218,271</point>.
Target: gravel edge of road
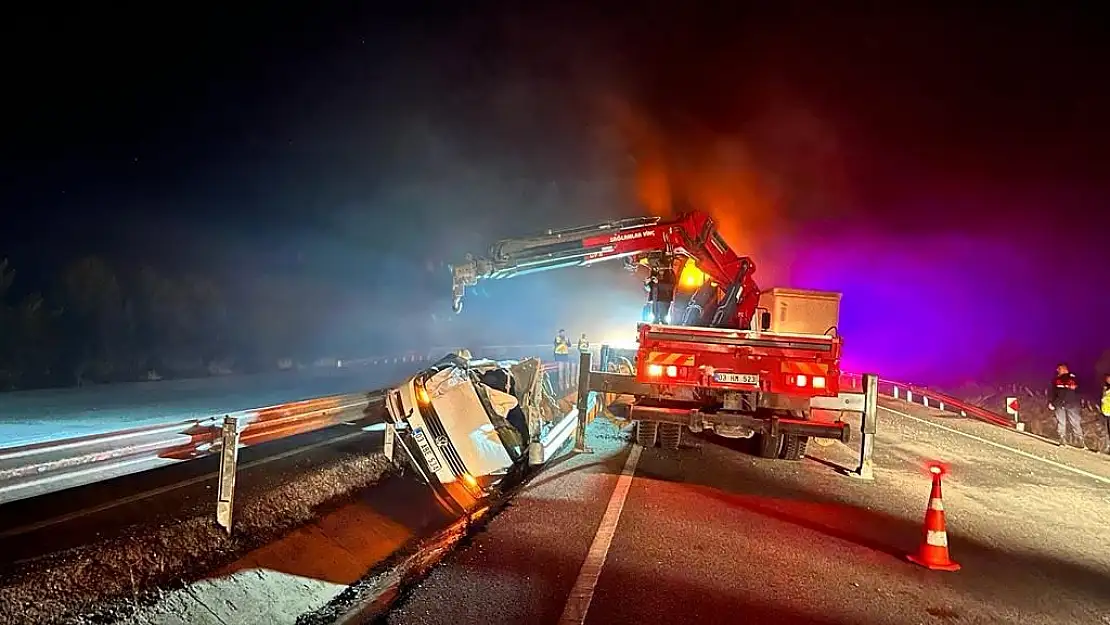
<point>371,598</point>
<point>109,580</point>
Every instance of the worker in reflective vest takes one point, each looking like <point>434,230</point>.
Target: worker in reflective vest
<point>1106,407</point>
<point>562,358</point>
<point>1064,402</point>
<point>583,348</point>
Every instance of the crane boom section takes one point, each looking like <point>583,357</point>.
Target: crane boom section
<point>693,235</point>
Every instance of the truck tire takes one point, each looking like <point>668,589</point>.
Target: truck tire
<point>646,432</point>
<point>794,447</point>
<point>670,435</point>
<point>768,446</point>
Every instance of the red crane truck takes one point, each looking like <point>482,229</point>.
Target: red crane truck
<point>739,362</point>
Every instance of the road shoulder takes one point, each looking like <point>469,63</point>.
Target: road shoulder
<point>522,566</point>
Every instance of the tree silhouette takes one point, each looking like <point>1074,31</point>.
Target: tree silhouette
<point>9,371</point>
<point>99,325</point>
<point>28,339</point>
<point>95,321</point>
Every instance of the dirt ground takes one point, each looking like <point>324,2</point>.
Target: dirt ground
<point>101,581</point>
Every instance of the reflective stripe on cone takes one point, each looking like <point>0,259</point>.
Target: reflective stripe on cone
<point>933,552</point>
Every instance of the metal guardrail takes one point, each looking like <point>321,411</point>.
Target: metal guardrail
<point>931,398</point>
<point>41,468</point>
<point>46,467</point>
<point>267,424</point>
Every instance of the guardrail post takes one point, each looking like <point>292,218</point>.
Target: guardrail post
<point>868,427</point>
<point>387,443</point>
<point>583,403</point>
<point>229,458</point>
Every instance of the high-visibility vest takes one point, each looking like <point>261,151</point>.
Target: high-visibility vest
<point>1106,402</point>
<point>562,345</point>
<point>583,345</point>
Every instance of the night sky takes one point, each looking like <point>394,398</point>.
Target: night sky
<point>947,170</point>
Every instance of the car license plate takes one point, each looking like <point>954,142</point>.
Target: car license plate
<point>426,449</point>
<point>737,378</point>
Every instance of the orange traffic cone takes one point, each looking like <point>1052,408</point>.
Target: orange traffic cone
<point>933,553</point>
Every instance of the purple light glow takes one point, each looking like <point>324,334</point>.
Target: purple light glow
<point>946,309</point>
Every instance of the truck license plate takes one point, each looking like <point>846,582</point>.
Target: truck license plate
<point>426,449</point>
<point>737,378</point>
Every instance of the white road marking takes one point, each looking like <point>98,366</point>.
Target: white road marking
<point>1025,454</point>
<point>165,489</point>
<point>578,603</point>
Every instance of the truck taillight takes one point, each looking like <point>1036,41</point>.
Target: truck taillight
<point>817,381</point>
<point>657,371</point>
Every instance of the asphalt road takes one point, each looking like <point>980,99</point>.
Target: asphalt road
<point>33,416</point>
<point>712,535</point>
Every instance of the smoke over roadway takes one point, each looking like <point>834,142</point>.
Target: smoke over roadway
<point>929,295</point>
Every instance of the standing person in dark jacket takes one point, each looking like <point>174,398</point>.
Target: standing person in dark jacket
<point>1064,402</point>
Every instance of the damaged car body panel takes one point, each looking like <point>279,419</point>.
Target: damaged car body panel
<point>471,426</point>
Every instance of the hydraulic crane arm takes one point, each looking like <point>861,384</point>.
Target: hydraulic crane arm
<point>554,249</point>
<point>693,235</point>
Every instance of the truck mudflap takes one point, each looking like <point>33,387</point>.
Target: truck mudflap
<point>773,425</point>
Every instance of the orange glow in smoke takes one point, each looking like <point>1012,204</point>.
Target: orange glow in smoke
<point>714,174</point>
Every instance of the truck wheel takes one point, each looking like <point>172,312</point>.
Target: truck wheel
<point>646,432</point>
<point>769,446</point>
<point>794,447</point>
<point>670,435</point>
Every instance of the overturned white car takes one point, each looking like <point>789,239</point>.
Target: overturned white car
<point>473,426</point>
